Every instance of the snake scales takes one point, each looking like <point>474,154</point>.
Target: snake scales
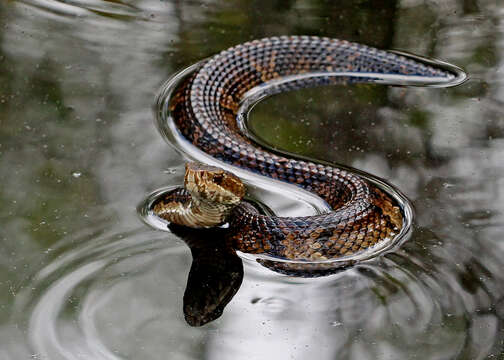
<point>204,108</point>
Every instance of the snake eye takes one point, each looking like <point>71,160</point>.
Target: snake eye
<point>217,179</point>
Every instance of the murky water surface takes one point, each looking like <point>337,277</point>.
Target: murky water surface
<point>83,277</point>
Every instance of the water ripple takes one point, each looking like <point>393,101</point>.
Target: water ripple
<point>108,8</point>
<point>119,295</point>
<point>75,292</point>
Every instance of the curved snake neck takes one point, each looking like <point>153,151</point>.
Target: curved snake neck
<point>205,106</point>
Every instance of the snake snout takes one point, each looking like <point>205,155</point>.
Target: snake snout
<point>213,184</point>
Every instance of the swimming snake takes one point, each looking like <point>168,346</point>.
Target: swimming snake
<point>205,107</point>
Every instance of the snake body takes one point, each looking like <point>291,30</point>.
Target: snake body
<point>205,107</point>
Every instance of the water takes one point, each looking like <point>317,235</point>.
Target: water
<point>83,277</point>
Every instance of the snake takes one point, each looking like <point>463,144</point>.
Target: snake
<point>205,106</point>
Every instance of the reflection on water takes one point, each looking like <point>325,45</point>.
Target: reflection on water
<point>215,276</point>
<point>81,277</point>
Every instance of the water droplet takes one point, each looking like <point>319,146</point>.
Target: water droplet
<point>274,304</point>
<point>170,171</point>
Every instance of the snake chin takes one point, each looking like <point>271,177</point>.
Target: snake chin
<point>207,199</point>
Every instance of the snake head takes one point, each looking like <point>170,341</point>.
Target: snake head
<point>213,184</point>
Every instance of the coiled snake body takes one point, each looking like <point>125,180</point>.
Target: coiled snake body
<point>204,108</point>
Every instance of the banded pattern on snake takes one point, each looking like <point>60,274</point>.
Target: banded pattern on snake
<point>205,107</point>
